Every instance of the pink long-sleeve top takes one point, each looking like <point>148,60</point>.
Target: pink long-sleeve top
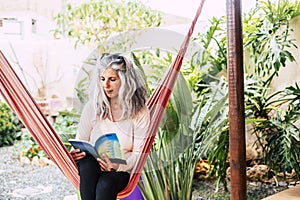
<point>132,133</point>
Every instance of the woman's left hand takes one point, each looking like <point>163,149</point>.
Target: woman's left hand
<point>106,164</point>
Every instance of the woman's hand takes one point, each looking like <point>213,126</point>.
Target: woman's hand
<point>77,154</point>
<point>106,164</point>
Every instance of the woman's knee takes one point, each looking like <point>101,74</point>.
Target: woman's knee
<point>105,183</point>
<point>114,182</point>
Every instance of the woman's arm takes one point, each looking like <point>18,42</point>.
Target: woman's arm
<point>140,136</point>
<point>84,130</point>
<point>86,121</point>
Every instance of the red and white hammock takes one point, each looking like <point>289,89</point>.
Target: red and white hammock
<point>23,104</point>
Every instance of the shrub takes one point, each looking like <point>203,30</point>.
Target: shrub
<point>66,126</point>
<point>28,146</point>
<point>9,125</point>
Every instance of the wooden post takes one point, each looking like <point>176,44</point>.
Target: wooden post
<point>237,149</point>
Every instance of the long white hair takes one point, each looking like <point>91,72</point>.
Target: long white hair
<point>132,94</point>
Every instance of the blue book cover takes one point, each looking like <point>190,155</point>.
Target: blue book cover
<point>105,144</point>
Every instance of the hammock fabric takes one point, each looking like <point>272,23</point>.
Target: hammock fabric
<point>23,104</point>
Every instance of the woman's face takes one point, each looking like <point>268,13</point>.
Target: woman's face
<point>110,83</point>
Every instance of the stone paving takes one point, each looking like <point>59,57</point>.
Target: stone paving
<point>293,193</point>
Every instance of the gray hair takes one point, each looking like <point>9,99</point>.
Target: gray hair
<point>132,94</point>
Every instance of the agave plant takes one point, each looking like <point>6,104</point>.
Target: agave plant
<point>169,170</point>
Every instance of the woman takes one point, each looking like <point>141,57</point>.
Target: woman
<point>118,105</point>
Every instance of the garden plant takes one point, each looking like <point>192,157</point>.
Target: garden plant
<point>9,125</point>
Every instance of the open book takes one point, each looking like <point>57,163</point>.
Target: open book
<point>106,144</point>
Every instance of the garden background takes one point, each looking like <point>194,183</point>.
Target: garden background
<point>49,47</point>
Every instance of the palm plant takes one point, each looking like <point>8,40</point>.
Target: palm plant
<point>266,36</point>
<point>277,132</point>
<point>268,41</point>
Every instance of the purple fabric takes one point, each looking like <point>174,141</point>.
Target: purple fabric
<point>135,195</point>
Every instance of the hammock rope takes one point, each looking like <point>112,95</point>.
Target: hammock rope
<point>23,104</point>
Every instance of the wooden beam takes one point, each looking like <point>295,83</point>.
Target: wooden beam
<point>237,149</point>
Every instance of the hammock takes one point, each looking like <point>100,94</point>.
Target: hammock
<point>23,104</point>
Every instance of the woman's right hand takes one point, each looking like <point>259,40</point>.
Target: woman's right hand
<point>77,154</point>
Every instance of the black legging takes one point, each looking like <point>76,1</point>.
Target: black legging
<point>99,185</point>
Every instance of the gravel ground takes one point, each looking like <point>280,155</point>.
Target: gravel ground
<point>30,182</point>
<point>205,190</point>
<point>48,183</point>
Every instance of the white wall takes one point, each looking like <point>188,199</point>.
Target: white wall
<point>58,61</point>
